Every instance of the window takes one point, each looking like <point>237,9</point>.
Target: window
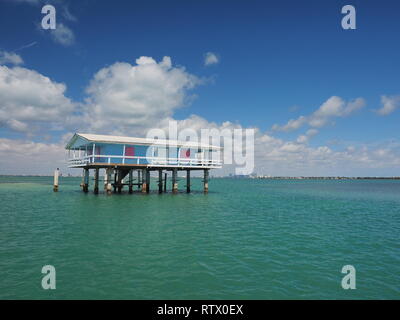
<point>130,151</point>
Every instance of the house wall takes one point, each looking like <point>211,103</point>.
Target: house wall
<point>139,150</point>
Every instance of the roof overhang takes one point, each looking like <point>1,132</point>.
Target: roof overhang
<point>81,139</point>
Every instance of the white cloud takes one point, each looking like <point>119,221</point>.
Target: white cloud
<point>332,108</point>
<point>28,157</point>
<point>63,35</point>
<point>10,58</point>
<point>125,98</point>
<point>210,58</point>
<point>389,105</point>
<point>29,98</point>
<point>306,137</point>
<point>287,158</point>
<point>130,99</point>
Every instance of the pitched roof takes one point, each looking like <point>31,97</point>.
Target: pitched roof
<point>133,140</point>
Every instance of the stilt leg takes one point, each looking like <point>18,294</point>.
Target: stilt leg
<point>174,181</point>
<point>147,181</point>
<point>144,182</point>
<point>86,180</point>
<point>206,181</point>
<point>119,182</point>
<point>115,180</point>
<point>160,182</point>
<point>96,181</point>
<point>188,181</point>
<point>130,180</point>
<point>109,173</point>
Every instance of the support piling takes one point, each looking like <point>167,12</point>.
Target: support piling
<point>147,181</point>
<point>144,182</point>
<point>96,181</point>
<point>86,180</point>
<point>109,186</point>
<point>174,181</point>
<point>160,182</point>
<point>206,174</point>
<point>130,180</point>
<point>188,181</point>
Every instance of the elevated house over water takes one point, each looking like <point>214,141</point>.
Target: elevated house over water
<point>131,157</point>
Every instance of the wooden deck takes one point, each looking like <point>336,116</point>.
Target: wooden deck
<point>100,165</point>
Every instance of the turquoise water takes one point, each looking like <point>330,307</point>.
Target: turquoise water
<point>246,239</point>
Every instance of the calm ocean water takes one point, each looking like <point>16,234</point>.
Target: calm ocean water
<point>246,239</point>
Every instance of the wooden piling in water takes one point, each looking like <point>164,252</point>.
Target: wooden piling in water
<point>96,181</point>
<point>160,181</point>
<point>86,180</point>
<point>138,179</point>
<point>165,182</point>
<point>55,185</point>
<point>174,181</point>
<point>188,181</point>
<point>147,181</point>
<point>206,173</point>
<point>144,182</point>
<point>119,181</point>
<point>130,180</point>
<point>115,180</point>
<point>109,173</point>
<point>105,179</point>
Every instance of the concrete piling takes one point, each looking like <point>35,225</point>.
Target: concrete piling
<point>56,174</point>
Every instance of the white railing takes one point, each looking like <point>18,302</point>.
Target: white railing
<point>157,161</point>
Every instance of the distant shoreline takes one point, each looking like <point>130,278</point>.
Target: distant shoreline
<point>239,177</point>
<point>321,178</point>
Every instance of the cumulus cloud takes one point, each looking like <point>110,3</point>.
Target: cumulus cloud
<point>29,98</point>
<point>389,105</point>
<point>280,157</point>
<point>304,138</point>
<point>332,108</point>
<point>10,58</point>
<point>63,35</point>
<point>30,157</point>
<point>127,98</point>
<point>210,59</point>
<point>130,99</point>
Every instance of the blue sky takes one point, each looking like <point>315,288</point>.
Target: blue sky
<point>277,60</point>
